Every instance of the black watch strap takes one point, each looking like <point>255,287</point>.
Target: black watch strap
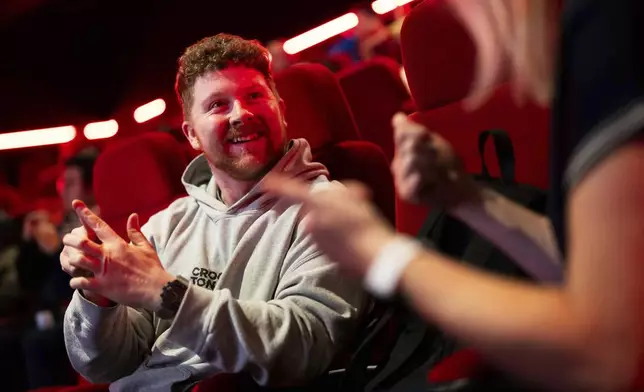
<point>171,297</point>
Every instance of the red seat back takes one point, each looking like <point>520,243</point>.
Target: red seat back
<point>322,116</point>
<point>439,56</point>
<point>33,164</point>
<point>141,174</point>
<point>11,202</point>
<point>527,126</point>
<point>375,93</point>
<point>315,105</point>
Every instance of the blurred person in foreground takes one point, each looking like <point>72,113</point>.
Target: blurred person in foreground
<point>224,280</point>
<point>585,333</point>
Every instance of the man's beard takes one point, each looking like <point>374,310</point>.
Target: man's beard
<point>235,168</point>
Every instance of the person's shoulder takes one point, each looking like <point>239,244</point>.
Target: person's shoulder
<point>180,204</point>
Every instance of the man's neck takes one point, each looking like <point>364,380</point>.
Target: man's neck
<point>231,190</point>
<point>228,189</point>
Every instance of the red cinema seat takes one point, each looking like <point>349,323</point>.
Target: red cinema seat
<point>315,105</point>
<point>141,174</point>
<point>439,59</point>
<point>11,202</point>
<point>375,92</point>
<point>317,111</point>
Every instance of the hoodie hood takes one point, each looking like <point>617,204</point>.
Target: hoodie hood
<point>296,162</point>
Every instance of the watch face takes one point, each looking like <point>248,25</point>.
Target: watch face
<point>172,296</point>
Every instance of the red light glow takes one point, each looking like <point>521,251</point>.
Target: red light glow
<point>37,137</point>
<point>149,111</point>
<point>321,33</point>
<point>384,6</point>
<point>101,130</point>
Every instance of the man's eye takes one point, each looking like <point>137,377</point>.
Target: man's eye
<point>217,104</point>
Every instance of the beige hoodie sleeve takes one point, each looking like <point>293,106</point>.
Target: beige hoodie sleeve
<point>98,338</point>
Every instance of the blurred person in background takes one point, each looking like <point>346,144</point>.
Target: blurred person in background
<point>42,279</point>
<point>33,289</point>
<point>41,243</point>
<point>10,293</point>
<point>12,302</point>
<point>371,37</point>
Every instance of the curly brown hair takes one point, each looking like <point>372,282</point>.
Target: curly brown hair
<point>216,53</point>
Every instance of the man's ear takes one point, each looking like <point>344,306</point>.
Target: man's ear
<point>189,132</point>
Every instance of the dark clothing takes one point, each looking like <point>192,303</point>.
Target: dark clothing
<point>12,365</point>
<point>41,354</point>
<point>42,279</point>
<point>46,358</point>
<point>599,100</point>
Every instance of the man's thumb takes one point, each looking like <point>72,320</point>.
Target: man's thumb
<point>134,230</point>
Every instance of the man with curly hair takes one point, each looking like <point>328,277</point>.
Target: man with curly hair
<point>224,280</point>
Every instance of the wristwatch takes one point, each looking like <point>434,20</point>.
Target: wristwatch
<point>171,297</point>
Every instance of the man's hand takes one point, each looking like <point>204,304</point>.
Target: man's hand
<point>127,273</point>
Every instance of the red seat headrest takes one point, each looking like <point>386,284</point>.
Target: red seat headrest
<point>141,174</point>
<point>11,202</point>
<point>47,179</point>
<point>375,92</point>
<point>438,55</point>
<point>316,108</point>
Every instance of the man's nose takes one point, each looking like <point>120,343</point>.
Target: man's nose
<point>239,115</point>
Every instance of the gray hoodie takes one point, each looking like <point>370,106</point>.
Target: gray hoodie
<point>263,299</point>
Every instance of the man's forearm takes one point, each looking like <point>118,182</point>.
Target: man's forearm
<point>525,236</point>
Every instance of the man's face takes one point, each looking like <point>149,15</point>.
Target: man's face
<point>237,122</point>
<point>70,186</point>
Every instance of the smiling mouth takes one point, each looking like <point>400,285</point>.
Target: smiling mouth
<point>245,138</point>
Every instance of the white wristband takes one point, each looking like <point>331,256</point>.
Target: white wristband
<point>386,270</point>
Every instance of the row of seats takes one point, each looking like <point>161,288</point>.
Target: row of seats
<point>143,173</point>
<point>439,61</point>
<point>378,79</point>
<point>347,120</point>
<point>357,105</point>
